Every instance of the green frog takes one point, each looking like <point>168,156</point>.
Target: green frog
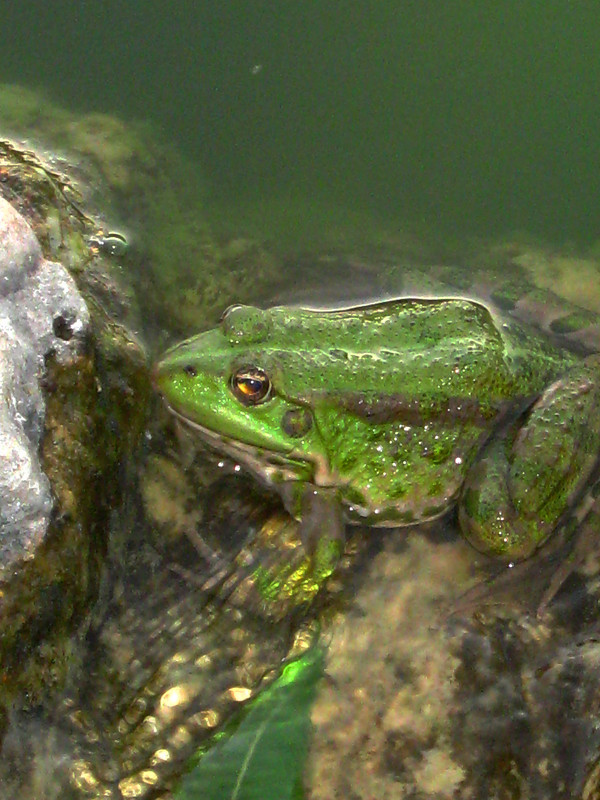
<point>391,413</point>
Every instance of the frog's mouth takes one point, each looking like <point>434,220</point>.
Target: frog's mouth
<point>273,467</point>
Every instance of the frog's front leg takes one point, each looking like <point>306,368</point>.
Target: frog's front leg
<point>319,510</point>
<point>526,481</point>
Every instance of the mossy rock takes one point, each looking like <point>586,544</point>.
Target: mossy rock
<point>126,177</point>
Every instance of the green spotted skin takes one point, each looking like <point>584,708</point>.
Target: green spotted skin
<point>395,411</point>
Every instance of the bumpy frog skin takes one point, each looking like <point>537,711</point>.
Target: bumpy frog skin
<point>389,414</point>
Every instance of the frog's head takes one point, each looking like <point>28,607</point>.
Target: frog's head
<point>231,384</point>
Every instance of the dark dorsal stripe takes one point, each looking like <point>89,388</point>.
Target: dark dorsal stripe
<point>380,409</point>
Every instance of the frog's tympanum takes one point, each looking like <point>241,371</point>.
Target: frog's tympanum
<point>389,414</point>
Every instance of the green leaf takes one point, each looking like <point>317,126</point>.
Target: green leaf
<point>264,758</point>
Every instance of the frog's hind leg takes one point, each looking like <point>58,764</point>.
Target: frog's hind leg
<point>527,481</point>
<point>532,584</point>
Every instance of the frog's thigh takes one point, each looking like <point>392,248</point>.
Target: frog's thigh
<point>525,481</point>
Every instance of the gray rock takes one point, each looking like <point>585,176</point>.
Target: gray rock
<point>41,314</point>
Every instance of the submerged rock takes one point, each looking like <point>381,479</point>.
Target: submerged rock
<point>41,315</point>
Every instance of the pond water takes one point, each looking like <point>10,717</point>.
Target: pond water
<point>472,116</point>
<point>335,153</point>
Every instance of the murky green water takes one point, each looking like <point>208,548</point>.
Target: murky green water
<point>467,115</point>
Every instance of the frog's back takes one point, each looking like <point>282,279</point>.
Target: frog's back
<point>423,349</point>
<point>404,393</point>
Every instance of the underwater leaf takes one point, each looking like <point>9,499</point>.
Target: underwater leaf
<point>264,758</point>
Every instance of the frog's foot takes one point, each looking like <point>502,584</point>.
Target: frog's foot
<point>527,586</point>
<point>203,549</point>
<point>218,568</point>
<point>529,480</point>
<point>205,581</point>
<point>532,585</point>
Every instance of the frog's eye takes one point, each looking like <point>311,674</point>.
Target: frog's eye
<point>251,386</point>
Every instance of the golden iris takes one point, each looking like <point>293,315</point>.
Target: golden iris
<point>251,385</point>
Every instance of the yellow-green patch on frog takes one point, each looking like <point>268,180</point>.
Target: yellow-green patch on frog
<point>390,413</point>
